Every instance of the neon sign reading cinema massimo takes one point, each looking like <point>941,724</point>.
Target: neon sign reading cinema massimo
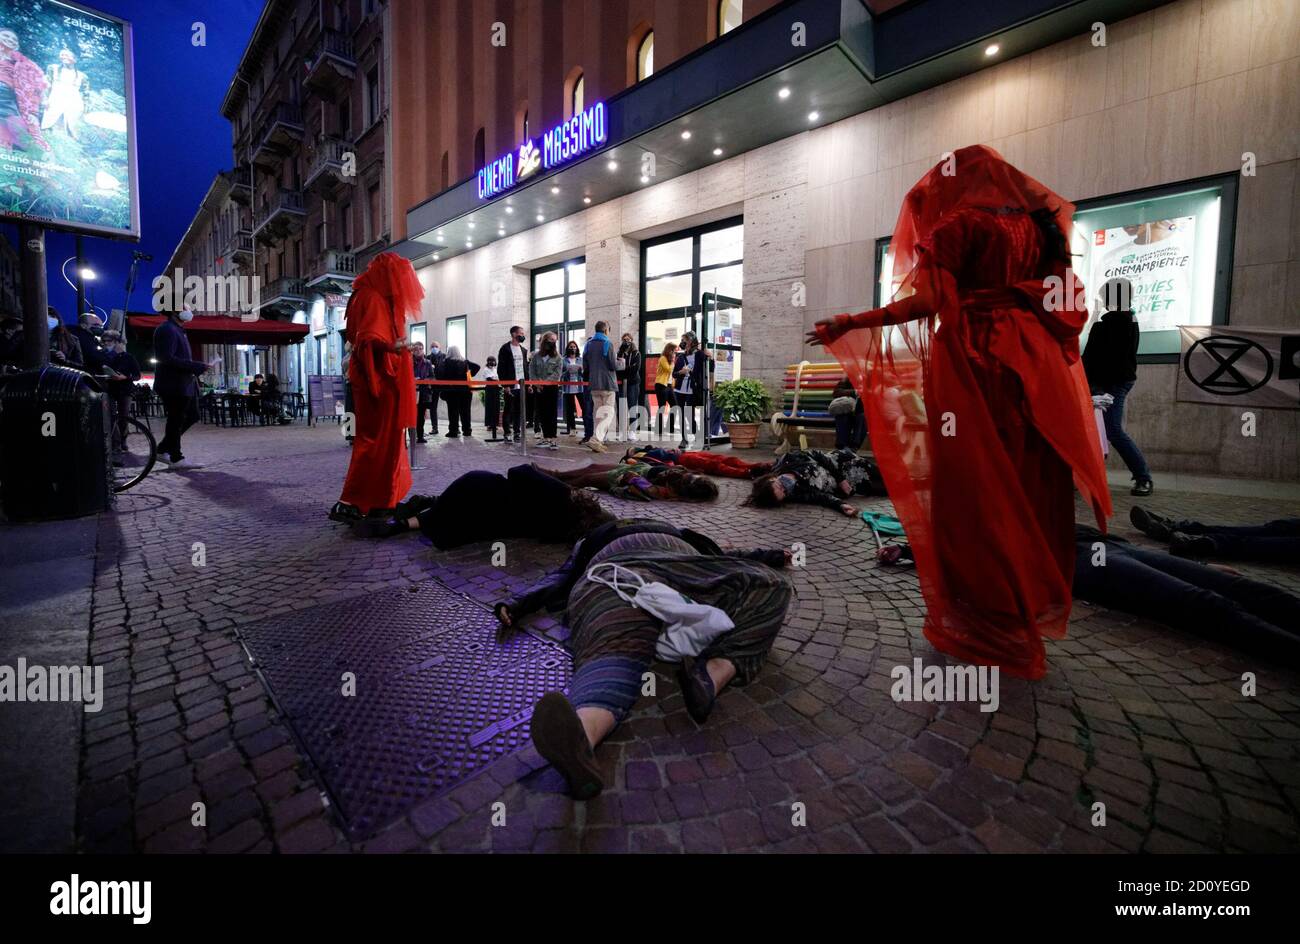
<point>581,133</point>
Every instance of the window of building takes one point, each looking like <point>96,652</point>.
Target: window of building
<point>420,335</point>
<point>560,302</point>
<point>579,91</point>
<point>345,227</point>
<point>1174,243</point>
<point>446,170</point>
<point>692,281</point>
<point>729,16</point>
<point>456,334</point>
<point>345,117</point>
<point>480,150</point>
<point>376,212</point>
<point>372,96</point>
<point>645,57</point>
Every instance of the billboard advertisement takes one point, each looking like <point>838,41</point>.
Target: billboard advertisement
<point>67,119</point>
<point>1157,258</point>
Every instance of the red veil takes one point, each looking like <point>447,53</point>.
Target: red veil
<point>384,298</point>
<point>978,408</point>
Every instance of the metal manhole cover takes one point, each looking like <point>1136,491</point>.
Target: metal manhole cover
<point>436,699</point>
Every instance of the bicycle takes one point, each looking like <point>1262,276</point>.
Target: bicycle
<point>133,457</point>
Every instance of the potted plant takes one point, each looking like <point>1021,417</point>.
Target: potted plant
<point>744,404</point>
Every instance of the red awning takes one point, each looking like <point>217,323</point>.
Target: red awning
<point>221,329</point>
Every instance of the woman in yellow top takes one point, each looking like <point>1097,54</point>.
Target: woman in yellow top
<point>664,388</point>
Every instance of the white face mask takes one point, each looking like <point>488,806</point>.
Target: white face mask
<point>185,315</point>
<point>52,322</point>
<point>689,627</point>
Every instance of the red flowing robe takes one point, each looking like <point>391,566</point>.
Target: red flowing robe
<point>29,83</point>
<point>982,477</point>
<point>383,383</point>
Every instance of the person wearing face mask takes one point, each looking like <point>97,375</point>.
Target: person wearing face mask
<point>512,364</point>
<point>629,381</point>
<point>86,331</point>
<point>175,381</point>
<point>123,372</point>
<point>436,357</point>
<point>425,394</point>
<point>814,477</point>
<point>64,347</point>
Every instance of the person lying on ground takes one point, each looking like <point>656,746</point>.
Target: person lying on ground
<point>613,643</point>
<point>640,481</point>
<point>487,506</point>
<point>814,477</point>
<point>1276,542</point>
<point>724,464</point>
<point>552,591</point>
<point>1209,601</point>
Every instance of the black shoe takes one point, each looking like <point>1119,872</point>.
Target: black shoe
<point>1191,545</point>
<point>1151,524</point>
<point>697,689</point>
<point>584,440</point>
<point>346,513</point>
<point>1143,488</point>
<point>452,436</point>
<point>559,737</point>
<point>422,440</point>
<point>373,528</point>
<point>410,507</point>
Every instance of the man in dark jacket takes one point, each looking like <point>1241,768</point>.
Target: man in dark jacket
<point>175,382</point>
<point>512,364</point>
<point>426,396</point>
<point>1110,361</point>
<point>92,354</point>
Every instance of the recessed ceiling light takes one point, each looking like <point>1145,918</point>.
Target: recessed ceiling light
<point>555,190</point>
<point>784,93</point>
<point>439,234</point>
<point>645,179</point>
<point>471,224</point>
<point>717,152</point>
<point>501,232</point>
<point>992,50</point>
<point>612,165</point>
<point>469,245</point>
<point>540,218</point>
<point>436,257</point>
<point>510,209</point>
<point>814,115</point>
<point>586,199</point>
<point>686,135</point>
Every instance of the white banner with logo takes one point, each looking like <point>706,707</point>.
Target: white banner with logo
<point>1226,364</point>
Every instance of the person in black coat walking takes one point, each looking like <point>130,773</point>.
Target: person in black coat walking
<point>175,382</point>
<point>1110,361</point>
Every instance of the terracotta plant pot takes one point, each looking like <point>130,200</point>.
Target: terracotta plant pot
<point>743,435</point>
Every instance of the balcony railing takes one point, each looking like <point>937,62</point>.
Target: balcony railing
<point>241,246</point>
<point>282,212</point>
<point>285,288</point>
<point>328,164</point>
<point>333,65</point>
<point>334,265</point>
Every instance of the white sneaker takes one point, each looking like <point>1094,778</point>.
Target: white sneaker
<point>631,436</point>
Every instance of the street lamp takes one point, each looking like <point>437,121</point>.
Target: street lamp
<point>86,273</point>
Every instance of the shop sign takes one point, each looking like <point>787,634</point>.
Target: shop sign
<point>583,132</point>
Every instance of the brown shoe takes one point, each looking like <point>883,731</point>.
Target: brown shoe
<point>560,738</point>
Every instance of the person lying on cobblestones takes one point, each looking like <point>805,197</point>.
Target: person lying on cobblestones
<point>1275,542</point>
<point>641,481</point>
<point>552,591</point>
<point>488,506</point>
<point>815,477</point>
<point>614,642</point>
<point>1213,602</point>
<point>724,464</point>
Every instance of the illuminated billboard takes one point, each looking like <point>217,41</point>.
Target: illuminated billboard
<point>67,119</point>
<point>567,140</point>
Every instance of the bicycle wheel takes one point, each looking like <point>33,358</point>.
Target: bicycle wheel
<point>133,461</point>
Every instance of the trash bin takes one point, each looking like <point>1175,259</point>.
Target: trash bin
<point>54,450</point>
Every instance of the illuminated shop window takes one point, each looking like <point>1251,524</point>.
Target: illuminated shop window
<point>645,57</point>
<point>1173,242</point>
<point>729,14</point>
<point>560,302</point>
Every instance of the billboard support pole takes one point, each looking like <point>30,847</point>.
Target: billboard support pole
<point>36,330</point>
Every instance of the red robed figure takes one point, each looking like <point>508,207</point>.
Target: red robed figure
<point>979,412</point>
<point>384,298</point>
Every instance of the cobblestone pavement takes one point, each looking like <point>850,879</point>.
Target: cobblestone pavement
<point>1152,724</point>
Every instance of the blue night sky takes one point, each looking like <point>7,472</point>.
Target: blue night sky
<point>182,140</point>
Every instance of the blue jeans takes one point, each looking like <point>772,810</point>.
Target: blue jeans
<point>1123,443</point>
<point>588,420</point>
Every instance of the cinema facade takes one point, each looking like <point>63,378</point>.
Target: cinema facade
<point>737,170</point>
